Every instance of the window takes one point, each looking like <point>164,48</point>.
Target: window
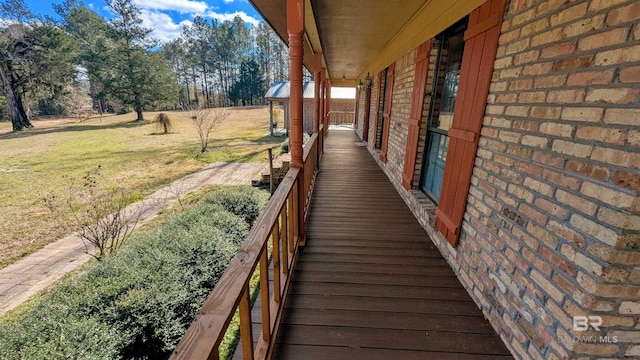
<point>447,78</point>
<point>382,86</point>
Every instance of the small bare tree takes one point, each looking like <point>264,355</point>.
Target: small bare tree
<point>206,119</point>
<point>76,102</point>
<point>104,220</point>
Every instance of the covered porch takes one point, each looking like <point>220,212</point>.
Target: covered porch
<point>368,283</point>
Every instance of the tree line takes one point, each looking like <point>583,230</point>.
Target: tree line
<point>58,66</point>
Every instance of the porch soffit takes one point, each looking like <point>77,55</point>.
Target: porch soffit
<point>360,36</point>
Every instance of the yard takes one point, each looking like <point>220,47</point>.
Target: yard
<point>132,155</point>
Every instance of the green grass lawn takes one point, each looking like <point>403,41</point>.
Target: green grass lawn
<point>132,155</point>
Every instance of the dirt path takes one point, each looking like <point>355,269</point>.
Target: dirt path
<point>34,273</point>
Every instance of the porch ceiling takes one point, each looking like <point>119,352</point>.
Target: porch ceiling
<point>360,36</point>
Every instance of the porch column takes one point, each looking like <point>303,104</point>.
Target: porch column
<point>317,82</point>
<point>321,110</point>
<point>295,27</point>
<point>328,108</point>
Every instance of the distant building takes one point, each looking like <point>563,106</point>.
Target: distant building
<point>342,104</point>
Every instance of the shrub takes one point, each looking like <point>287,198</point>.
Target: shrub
<point>139,302</point>
<point>246,202</point>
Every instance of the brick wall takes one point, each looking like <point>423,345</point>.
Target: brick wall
<point>552,227</point>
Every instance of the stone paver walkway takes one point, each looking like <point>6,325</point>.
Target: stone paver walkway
<point>34,273</point>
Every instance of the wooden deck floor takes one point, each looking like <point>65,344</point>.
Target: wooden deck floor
<point>370,284</point>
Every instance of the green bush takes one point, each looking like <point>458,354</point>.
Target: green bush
<point>246,202</point>
<point>139,302</point>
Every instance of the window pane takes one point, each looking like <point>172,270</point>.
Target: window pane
<point>436,157</point>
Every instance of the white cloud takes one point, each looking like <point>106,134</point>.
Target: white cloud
<point>181,6</point>
<point>164,28</point>
<point>230,16</point>
<point>228,1</point>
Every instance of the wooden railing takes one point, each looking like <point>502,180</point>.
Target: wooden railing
<point>276,233</point>
<point>310,158</point>
<point>341,117</point>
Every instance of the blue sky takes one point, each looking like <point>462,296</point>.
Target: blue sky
<point>167,17</point>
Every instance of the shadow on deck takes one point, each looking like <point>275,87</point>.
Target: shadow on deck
<point>370,284</point>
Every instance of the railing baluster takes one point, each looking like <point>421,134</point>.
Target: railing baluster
<point>292,234</point>
<point>294,215</point>
<point>246,336</point>
<point>275,236</point>
<point>264,296</point>
<point>285,244</point>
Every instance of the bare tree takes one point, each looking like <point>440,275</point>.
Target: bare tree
<point>76,102</point>
<point>104,220</point>
<point>206,120</point>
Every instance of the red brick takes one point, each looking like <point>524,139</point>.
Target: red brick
<point>613,136</point>
<point>524,84</point>
<point>545,112</point>
<point>517,46</point>
<point>593,171</point>
<point>618,56</point>
<point>526,57</point>
<point>535,27</point>
<point>571,148</point>
<point>551,208</point>
<point>554,81</point>
<point>597,5</point>
<point>624,15</point>
<point>579,203</point>
<point>589,114</point>
<point>526,125</point>
<point>566,233</point>
<point>547,37</point>
<point>616,157</point>
<point>583,26</point>
<point>537,69</point>
<point>521,111</point>
<point>538,186</point>
<point>548,159</point>
<point>630,75</point>
<point>605,39</point>
<point>510,73</point>
<point>523,17</point>
<point>607,195</point>
<point>532,97</point>
<point>560,179</point>
<point>507,99</point>
<point>547,286</point>
<point>627,180</point>
<point>536,261</point>
<point>612,96</point>
<point>566,96</point>
<point>556,129</point>
<point>578,62</point>
<point>590,78</point>
<point>634,138</point>
<point>519,151</point>
<point>528,168</point>
<point>568,286</point>
<point>561,49</point>
<point>622,116</point>
<point>535,141</point>
<point>532,214</point>
<point>569,14</point>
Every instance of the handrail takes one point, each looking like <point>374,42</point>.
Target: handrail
<point>280,223</point>
<point>340,117</point>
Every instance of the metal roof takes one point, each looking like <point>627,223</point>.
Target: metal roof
<point>282,90</point>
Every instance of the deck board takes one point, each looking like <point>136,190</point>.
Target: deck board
<point>370,284</point>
